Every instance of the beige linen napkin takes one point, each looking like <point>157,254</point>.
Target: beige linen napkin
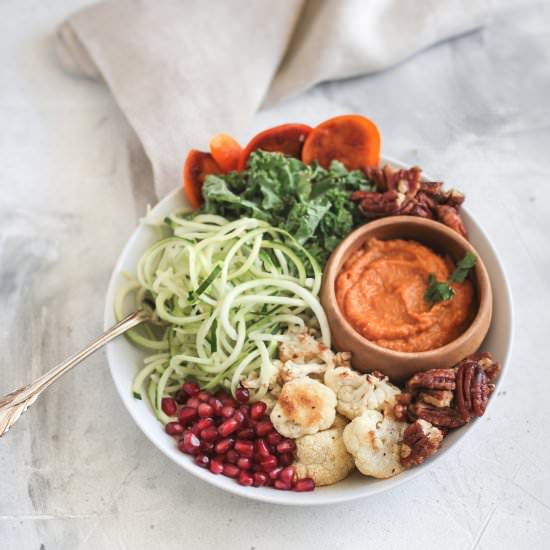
<point>183,70</point>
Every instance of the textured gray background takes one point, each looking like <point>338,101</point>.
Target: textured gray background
<point>76,473</point>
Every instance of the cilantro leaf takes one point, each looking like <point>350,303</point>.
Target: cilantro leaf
<point>463,267</point>
<point>437,291</point>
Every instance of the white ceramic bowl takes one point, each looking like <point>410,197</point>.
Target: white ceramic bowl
<point>125,359</point>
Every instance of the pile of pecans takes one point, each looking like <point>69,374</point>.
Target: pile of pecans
<point>401,193</point>
<point>438,400</point>
<point>450,398</point>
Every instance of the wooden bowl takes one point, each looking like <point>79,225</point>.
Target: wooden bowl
<point>367,356</point>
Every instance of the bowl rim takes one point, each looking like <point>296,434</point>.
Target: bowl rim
<point>317,497</point>
<point>339,257</point>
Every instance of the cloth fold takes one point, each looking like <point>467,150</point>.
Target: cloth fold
<point>184,70</point>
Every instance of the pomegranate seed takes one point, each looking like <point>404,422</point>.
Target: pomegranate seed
<point>230,470</point>
<point>169,406</point>
<point>193,402</point>
<point>216,405</point>
<point>221,395</point>
<point>246,433</point>
<point>239,417</point>
<point>190,388</point>
<point>189,443</point>
<point>261,448</point>
<point>244,463</point>
<point>273,438</point>
<point>174,428</point>
<point>202,460</point>
<point>305,484</point>
<point>231,456</point>
<point>242,395</point>
<point>288,475</point>
<point>286,446</point>
<point>209,434</point>
<point>207,446</point>
<point>228,411</point>
<point>203,396</point>
<point>257,410</point>
<point>245,411</point>
<point>245,479</point>
<point>187,415</point>
<point>216,466</point>
<point>274,474</point>
<point>202,424</point>
<point>244,447</point>
<point>224,445</point>
<point>248,423</point>
<point>286,459</point>
<point>228,427</point>
<point>181,397</point>
<point>268,463</point>
<point>205,410</point>
<point>281,485</point>
<point>263,428</point>
<point>228,401</point>
<point>258,458</point>
<point>260,479</point>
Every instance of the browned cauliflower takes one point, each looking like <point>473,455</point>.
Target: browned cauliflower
<point>357,393</point>
<point>303,347</point>
<point>323,456</point>
<point>303,355</point>
<point>375,443</point>
<point>305,406</point>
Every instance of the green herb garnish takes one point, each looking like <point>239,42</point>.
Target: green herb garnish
<point>194,295</point>
<point>214,336</point>
<point>463,267</point>
<point>438,291</point>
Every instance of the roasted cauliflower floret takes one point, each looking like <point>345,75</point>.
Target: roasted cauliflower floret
<point>305,406</point>
<point>302,355</point>
<point>291,370</point>
<point>303,347</point>
<point>323,456</point>
<point>375,443</point>
<point>357,393</point>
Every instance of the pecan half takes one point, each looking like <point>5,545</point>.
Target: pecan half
<point>449,216</point>
<point>472,390</point>
<point>442,417</point>
<point>437,398</point>
<point>435,379</point>
<point>420,441</point>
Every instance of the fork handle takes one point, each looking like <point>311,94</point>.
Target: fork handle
<point>13,405</point>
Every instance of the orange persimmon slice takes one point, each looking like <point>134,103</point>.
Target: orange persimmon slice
<point>225,151</point>
<point>354,140</point>
<point>286,138</point>
<point>197,166</point>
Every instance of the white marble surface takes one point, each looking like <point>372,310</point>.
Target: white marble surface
<point>76,473</point>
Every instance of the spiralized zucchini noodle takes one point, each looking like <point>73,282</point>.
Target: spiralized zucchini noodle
<point>224,293</point>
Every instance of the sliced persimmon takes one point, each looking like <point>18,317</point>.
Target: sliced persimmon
<point>226,151</point>
<point>286,138</point>
<point>354,140</point>
<point>197,166</point>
